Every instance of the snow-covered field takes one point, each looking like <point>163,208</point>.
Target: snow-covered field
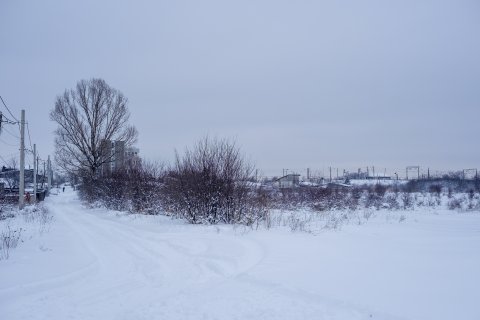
<point>94,264</point>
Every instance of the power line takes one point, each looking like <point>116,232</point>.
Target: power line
<point>8,109</point>
<point>11,154</point>
<point>29,140</point>
<point>5,119</point>
<point>10,133</point>
<point>8,144</point>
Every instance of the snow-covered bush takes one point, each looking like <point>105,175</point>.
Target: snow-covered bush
<point>133,189</point>
<point>6,211</point>
<point>39,215</point>
<point>210,184</point>
<point>378,197</point>
<point>455,204</point>
<point>18,225</point>
<point>9,239</point>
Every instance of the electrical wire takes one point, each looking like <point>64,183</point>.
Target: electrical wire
<point>8,109</point>
<point>10,133</point>
<point>29,140</point>
<point>8,144</point>
<point>6,119</point>
<point>13,135</point>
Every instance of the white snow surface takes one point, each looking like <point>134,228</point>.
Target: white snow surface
<point>98,264</point>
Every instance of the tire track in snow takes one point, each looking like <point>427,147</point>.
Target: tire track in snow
<point>185,273</point>
<point>132,266</point>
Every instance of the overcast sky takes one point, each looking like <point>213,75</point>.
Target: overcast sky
<point>298,84</point>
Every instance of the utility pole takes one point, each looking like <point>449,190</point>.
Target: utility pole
<point>49,169</point>
<point>330,174</point>
<point>21,191</point>
<point>43,178</point>
<point>37,160</point>
<point>34,173</point>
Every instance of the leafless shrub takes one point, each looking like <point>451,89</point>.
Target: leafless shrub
<point>299,222</point>
<point>471,194</point>
<point>134,189</point>
<point>39,215</point>
<point>432,201</point>
<point>454,204</point>
<point>334,220</point>
<point>9,239</point>
<point>473,200</point>
<point>420,201</point>
<point>392,201</point>
<point>411,186</point>
<point>375,196</point>
<point>355,197</point>
<point>380,189</point>
<point>367,214</point>
<point>436,189</point>
<point>210,183</point>
<point>407,200</point>
<point>6,211</point>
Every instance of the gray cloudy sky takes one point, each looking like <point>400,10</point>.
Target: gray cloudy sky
<point>297,83</point>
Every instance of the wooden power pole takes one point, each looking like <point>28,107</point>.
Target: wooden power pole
<point>49,177</point>
<point>21,190</point>
<point>34,173</point>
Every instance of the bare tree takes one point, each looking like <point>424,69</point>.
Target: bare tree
<point>89,116</point>
<point>12,178</point>
<point>13,163</point>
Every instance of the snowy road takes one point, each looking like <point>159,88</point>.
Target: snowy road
<point>97,265</point>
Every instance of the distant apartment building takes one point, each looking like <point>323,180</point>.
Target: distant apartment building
<point>132,158</point>
<point>118,156</point>
<point>113,153</point>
